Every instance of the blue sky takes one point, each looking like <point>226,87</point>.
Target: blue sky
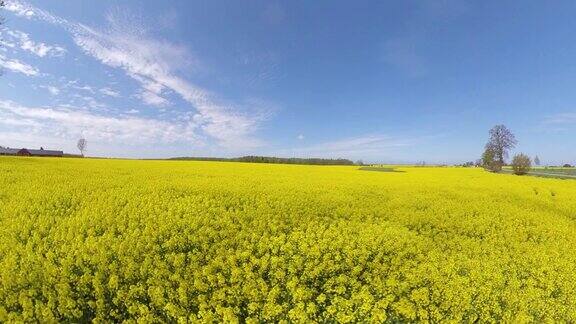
<point>386,81</point>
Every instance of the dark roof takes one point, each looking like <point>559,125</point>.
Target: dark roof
<point>7,150</point>
<point>12,151</point>
<point>46,153</point>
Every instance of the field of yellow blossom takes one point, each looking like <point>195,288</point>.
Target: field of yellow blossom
<point>168,241</point>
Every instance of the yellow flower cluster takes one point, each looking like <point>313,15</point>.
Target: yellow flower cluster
<point>166,241</point>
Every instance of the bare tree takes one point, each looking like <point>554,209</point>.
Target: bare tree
<point>82,144</point>
<point>501,141</point>
<point>536,160</point>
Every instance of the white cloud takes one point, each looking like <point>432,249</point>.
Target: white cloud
<point>5,43</point>
<point>559,122</point>
<point>18,66</point>
<point>152,99</point>
<point>300,137</point>
<point>89,101</point>
<point>156,65</point>
<point>68,123</point>
<point>109,92</point>
<point>53,90</point>
<point>84,87</point>
<point>7,121</point>
<point>38,48</point>
<point>19,9</point>
<point>561,118</point>
<point>355,147</point>
<point>260,68</point>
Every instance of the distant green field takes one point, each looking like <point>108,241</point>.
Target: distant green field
<point>550,172</point>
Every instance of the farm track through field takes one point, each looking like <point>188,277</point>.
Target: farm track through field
<point>546,174</point>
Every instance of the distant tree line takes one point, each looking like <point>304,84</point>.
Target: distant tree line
<point>268,159</point>
<point>470,164</point>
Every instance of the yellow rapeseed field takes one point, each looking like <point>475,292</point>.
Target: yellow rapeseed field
<point>167,241</point>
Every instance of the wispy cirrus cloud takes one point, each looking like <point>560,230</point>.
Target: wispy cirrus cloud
<point>151,92</point>
<point>559,122</point>
<point>373,146</point>
<point>25,43</point>
<point>68,123</point>
<point>23,9</point>
<point>152,99</point>
<point>156,65</point>
<point>19,9</point>
<point>561,119</point>
<point>356,145</point>
<point>86,101</point>
<point>52,89</point>
<point>75,85</point>
<point>260,68</point>
<point>109,92</point>
<point>18,66</point>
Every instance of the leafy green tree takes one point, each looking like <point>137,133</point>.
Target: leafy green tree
<point>521,164</point>
<point>489,160</point>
